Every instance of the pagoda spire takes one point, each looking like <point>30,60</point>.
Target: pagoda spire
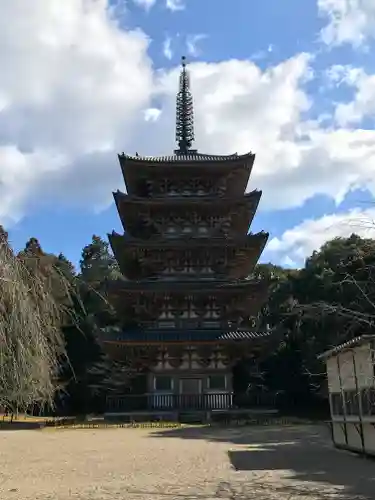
<point>184,113</point>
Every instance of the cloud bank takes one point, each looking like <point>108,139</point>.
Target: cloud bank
<point>76,89</point>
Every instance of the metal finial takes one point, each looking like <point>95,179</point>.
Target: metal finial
<point>184,112</point>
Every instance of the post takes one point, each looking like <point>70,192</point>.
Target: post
<point>342,399</point>
<point>357,390</point>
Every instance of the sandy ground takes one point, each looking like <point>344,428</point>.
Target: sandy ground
<point>183,464</point>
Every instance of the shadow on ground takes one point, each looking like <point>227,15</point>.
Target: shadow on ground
<point>303,453</point>
<point>20,426</point>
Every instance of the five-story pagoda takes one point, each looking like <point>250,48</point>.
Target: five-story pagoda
<point>186,257</point>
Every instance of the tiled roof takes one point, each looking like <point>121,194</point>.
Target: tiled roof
<point>153,285</point>
<point>252,197</point>
<point>186,158</point>
<point>174,335</point>
<point>247,241</point>
<point>349,344</point>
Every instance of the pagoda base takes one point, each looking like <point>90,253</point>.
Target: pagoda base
<point>192,416</point>
<point>183,379</point>
<point>204,406</point>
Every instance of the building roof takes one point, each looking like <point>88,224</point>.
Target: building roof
<point>198,286</point>
<point>242,253</point>
<point>242,207</point>
<point>186,158</point>
<point>236,169</point>
<point>126,241</point>
<point>349,344</point>
<point>175,335</point>
<point>175,201</point>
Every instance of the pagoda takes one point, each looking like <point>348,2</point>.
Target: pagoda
<point>188,304</point>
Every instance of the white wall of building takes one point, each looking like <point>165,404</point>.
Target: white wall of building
<point>350,374</point>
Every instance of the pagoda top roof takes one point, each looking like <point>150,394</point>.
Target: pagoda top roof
<point>187,158</point>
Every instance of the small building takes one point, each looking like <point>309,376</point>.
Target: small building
<point>351,388</point>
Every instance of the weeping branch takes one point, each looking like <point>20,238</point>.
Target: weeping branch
<point>31,341</point>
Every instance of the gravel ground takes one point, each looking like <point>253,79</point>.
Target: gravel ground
<point>187,463</point>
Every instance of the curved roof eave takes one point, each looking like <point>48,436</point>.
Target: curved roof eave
<point>120,196</point>
<point>183,159</point>
<point>246,242</point>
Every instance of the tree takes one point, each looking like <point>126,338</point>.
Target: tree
<point>31,342</point>
<point>97,263</point>
<point>98,266</point>
<point>327,302</point>
<point>64,265</point>
<point>342,276</point>
<point>92,311</point>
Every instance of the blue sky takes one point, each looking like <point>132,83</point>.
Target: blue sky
<point>292,81</point>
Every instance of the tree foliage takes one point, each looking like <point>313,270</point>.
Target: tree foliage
<point>47,309</point>
<point>31,342</point>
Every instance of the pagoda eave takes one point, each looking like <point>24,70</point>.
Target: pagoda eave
<point>126,242</point>
<point>188,286</point>
<point>241,254</point>
<point>237,167</point>
<point>186,160</point>
<point>189,337</point>
<point>243,208</point>
<point>126,201</point>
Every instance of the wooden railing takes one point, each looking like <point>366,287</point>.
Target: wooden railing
<point>178,402</point>
<point>167,401</point>
<point>186,323</point>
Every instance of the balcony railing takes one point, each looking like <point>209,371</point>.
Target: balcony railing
<point>178,402</point>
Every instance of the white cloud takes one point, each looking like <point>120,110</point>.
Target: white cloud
<point>145,4</point>
<point>75,89</point>
<point>262,54</point>
<point>349,21</point>
<point>71,83</point>
<point>363,104</point>
<point>152,114</point>
<point>167,47</point>
<point>337,74</point>
<point>299,242</point>
<point>192,42</point>
<point>238,107</point>
<point>175,5</point>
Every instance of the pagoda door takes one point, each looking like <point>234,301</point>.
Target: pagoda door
<point>190,393</point>
<point>190,386</point>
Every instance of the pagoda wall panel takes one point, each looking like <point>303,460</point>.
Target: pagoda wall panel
<point>192,360</point>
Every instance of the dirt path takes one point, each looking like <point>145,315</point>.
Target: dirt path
<point>188,463</point>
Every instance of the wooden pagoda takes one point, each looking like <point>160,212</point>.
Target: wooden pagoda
<point>187,258</point>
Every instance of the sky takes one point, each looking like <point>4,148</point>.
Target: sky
<point>291,80</point>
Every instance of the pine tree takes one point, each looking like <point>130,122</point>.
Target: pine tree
<point>98,266</point>
<point>97,263</point>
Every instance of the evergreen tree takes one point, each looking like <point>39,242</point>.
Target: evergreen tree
<point>97,262</point>
<point>86,388</point>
